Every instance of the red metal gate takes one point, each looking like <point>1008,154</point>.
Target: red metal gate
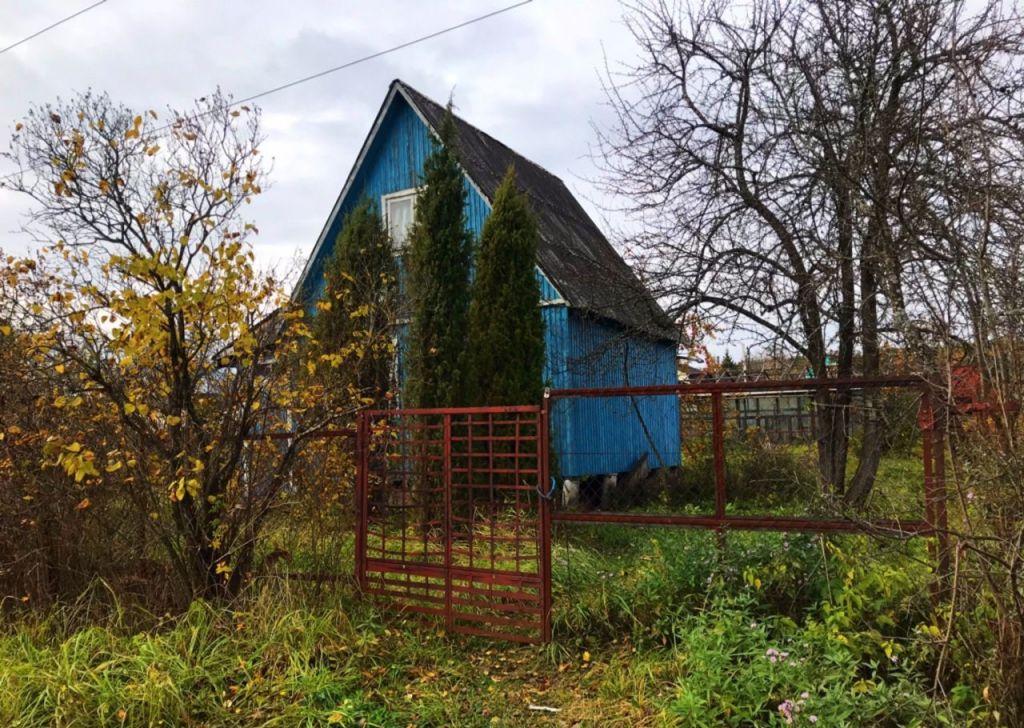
<point>453,518</point>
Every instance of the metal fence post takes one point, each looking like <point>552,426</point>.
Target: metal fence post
<point>361,497</point>
<point>718,440</point>
<point>449,617</point>
<point>545,516</point>
<point>941,496</point>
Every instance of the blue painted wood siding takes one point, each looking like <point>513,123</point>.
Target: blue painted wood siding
<point>394,162</point>
<point>606,435</point>
<point>593,436</point>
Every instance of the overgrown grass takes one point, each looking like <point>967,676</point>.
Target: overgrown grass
<point>652,627</point>
<point>781,479</point>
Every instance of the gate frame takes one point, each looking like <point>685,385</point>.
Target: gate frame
<point>544,514</point>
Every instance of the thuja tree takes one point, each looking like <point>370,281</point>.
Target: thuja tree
<point>146,295</point>
<point>357,311</point>
<point>439,260</point>
<point>505,350</point>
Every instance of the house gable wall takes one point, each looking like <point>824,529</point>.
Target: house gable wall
<point>392,163</point>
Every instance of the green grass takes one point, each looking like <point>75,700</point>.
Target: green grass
<point>652,627</point>
<point>780,479</point>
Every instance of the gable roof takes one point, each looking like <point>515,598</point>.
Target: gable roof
<point>572,252</point>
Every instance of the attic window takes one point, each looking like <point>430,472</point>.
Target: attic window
<point>399,209</point>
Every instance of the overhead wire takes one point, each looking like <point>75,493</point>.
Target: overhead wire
<point>385,52</point>
<point>334,69</point>
<point>50,27</point>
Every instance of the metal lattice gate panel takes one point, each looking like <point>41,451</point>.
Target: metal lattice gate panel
<point>452,520</point>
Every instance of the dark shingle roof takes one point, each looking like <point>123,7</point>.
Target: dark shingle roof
<point>573,253</point>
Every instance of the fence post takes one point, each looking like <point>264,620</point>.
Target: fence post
<point>941,497</point>
<point>718,440</point>
<point>545,516</point>
<point>934,456</point>
<point>449,617</point>
<point>361,496</point>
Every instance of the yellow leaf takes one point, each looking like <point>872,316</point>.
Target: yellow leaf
<point>59,368</point>
<point>5,330</point>
<point>173,420</point>
<point>74,447</point>
<point>114,467</point>
<point>104,187</point>
<point>129,408</point>
<point>586,656</point>
<point>83,504</point>
<point>150,151</point>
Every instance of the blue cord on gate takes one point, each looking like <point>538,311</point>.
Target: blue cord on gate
<point>551,493</point>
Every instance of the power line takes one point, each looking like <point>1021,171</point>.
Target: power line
<point>348,64</point>
<point>385,52</point>
<point>38,33</point>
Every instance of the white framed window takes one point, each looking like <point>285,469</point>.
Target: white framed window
<point>399,211</point>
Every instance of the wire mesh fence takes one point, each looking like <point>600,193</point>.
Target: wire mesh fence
<point>806,453</point>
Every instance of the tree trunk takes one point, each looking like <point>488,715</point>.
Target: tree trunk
<point>871,445</point>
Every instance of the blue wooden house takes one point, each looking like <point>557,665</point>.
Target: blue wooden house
<point>602,327</point>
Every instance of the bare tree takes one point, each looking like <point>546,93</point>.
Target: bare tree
<point>783,158</point>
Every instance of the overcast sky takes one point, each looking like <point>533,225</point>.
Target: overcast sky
<point>529,77</point>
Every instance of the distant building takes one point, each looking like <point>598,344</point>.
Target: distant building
<point>602,327</point>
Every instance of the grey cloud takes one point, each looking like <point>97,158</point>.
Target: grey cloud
<point>527,77</point>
